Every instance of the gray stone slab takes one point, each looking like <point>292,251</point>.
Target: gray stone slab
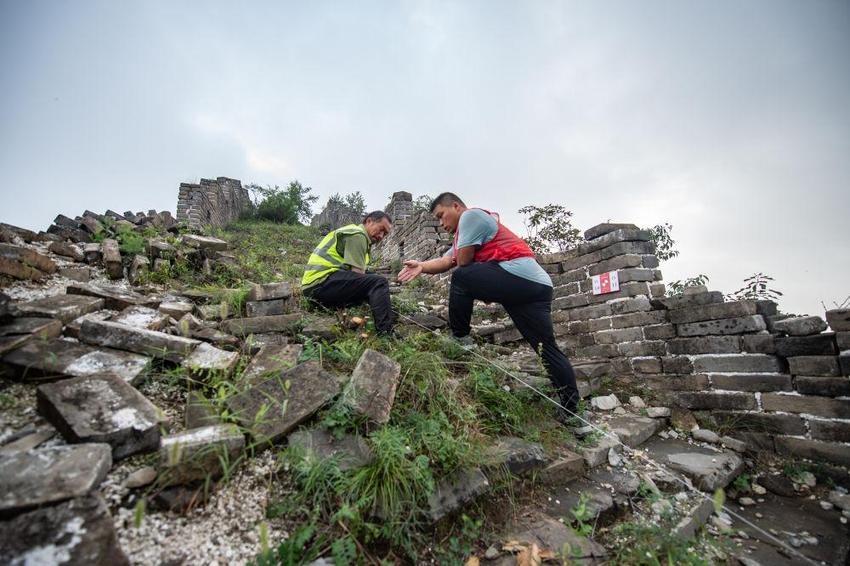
<point>751,381</point>
<point>272,409</point>
<point>139,316</point>
<point>199,453</point>
<point>565,468</point>
<point>138,340</point>
<point>740,325</point>
<point>685,301</point>
<point>598,454</point>
<point>705,345</point>
<point>800,325</point>
<point>816,345</point>
<point>80,274</point>
<point>744,363</point>
<point>694,519</point>
<point>19,331</point>
<point>205,360</point>
<point>550,534</point>
<point>101,408</point>
<point>112,259</point>
<point>813,405</point>
<point>50,475</point>
<point>819,451</point>
<point>456,491</point>
<point>55,358</point>
<point>371,390</point>
<point>838,319</point>
<point>200,411</point>
<point>350,451</point>
<point>712,312</point>
<point>270,291</point>
<point>215,337</point>
<point>79,531</point>
<point>114,298</point>
<point>205,242</point>
<point>819,366</point>
<point>66,249</point>
<point>262,324</point>
<point>72,329</point>
<point>267,308</point>
<point>606,228</point>
<point>515,455</point>
<point>62,307</point>
<point>270,361</point>
<point>176,309</point>
<point>707,468</point>
<point>28,257</point>
<point>633,430</point>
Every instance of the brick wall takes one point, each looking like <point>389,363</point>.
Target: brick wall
<point>212,202</point>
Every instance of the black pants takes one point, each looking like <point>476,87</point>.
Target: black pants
<point>344,288</point>
<point>529,305</point>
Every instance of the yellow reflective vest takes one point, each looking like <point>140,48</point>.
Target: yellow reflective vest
<point>326,259</point>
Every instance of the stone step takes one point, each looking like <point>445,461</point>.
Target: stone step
<point>634,430</point>
<point>708,469</point>
<point>514,455</point>
<point>56,358</point>
<point>101,408</point>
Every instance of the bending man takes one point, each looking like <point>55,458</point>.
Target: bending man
<point>335,275</point>
<point>496,266</point>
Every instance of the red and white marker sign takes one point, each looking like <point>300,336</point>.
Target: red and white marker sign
<point>606,283</point>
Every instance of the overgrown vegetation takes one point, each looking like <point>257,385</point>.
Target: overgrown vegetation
<point>660,235</point>
<point>288,206</point>
<point>758,286</point>
<point>550,229</point>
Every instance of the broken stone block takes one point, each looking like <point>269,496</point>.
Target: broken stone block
<point>323,328</point>
<point>816,345</point>
<point>93,253</point>
<point>62,220</point>
<point>564,469</point>
<point>262,324</point>
<point>515,455</point>
<point>270,361</point>
<point>455,492</point>
<point>114,298</point>
<point>270,291</point>
<point>818,366</point>
<point>214,337</point>
<point>24,234</point>
<point>63,307</point>
<point>160,249</point>
<point>598,454</point>
<point>267,308</point>
<point>199,453</point>
<point>101,408</point>
<point>205,242</point>
<point>605,402</point>
<point>371,391</point>
<point>19,270</point>
<point>634,431</point>
<point>255,342</point>
<point>176,309</point>
<point>148,342</point>
<point>79,531</point>
<point>199,411</point>
<point>72,329</point>
<point>90,224</point>
<point>142,317</point>
<point>213,312</point>
<point>740,325</point>
<point>705,435</point>
<point>549,533</point>
<point>79,274</point>
<point>800,325</point>
<point>708,471</point>
<point>839,319</point>
<point>429,321</point>
<point>139,267</point>
<point>66,249</point>
<point>50,475</point>
<point>272,409</point>
<point>18,332</point>
<point>350,451</point>
<point>112,259</point>
<point>40,359</point>
<point>205,360</point>
<point>712,312</point>
<point>25,258</point>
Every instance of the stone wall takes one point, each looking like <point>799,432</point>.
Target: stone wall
<point>415,234</point>
<point>212,202</point>
<point>335,215</point>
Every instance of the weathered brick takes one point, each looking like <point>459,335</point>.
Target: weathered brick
<point>574,276</point>
<point>599,351</point>
<point>715,400</point>
<point>614,237</point>
<point>657,290</point>
<point>758,344</point>
<point>613,264</point>
<point>638,319</point>
<point>633,289</point>
<point>619,335</point>
<point>824,386</point>
<point>565,290</point>
<point>650,261</point>
<point>751,381</point>
<point>638,274</point>
<point>646,348</point>
<point>595,311</point>
<point>570,302</point>
<point>624,248</point>
<point>712,312</point>
<point>677,364</point>
<point>625,306</point>
<point>745,363</point>
<point>705,345</point>
<point>605,228</point>
<point>561,329</point>
<point>621,366</point>
<point>761,422</point>
<point>560,316</point>
<point>685,301</point>
<point>820,406</point>
<point>842,339</point>
<point>830,430</point>
<point>668,382</point>
<point>844,362</point>
<point>820,366</point>
<point>659,331</point>
<point>838,319</point>
<point>816,450</point>
<point>754,323</point>
<point>646,365</point>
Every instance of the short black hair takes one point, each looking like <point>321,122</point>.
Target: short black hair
<point>445,199</point>
<point>377,216</point>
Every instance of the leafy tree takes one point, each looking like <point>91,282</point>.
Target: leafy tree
<point>550,228</point>
<point>288,206</point>
<point>660,236</point>
<point>356,203</point>
<point>756,287</point>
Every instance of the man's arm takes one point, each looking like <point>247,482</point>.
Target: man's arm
<point>466,255</point>
<point>413,268</point>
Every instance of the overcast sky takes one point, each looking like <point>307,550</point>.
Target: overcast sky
<point>730,120</point>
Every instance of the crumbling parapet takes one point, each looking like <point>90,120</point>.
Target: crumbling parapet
<point>212,202</point>
<point>415,234</point>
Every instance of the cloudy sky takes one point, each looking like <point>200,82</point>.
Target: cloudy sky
<point>729,120</point>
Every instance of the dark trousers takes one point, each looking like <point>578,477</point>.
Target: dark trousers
<point>529,305</point>
<point>344,288</point>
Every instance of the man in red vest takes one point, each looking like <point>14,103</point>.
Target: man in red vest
<point>496,266</point>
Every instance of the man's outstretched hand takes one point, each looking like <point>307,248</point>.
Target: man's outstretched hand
<point>412,269</point>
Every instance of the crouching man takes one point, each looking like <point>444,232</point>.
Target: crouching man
<point>335,275</point>
<point>496,266</point>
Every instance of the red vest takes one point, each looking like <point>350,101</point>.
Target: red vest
<point>504,246</point>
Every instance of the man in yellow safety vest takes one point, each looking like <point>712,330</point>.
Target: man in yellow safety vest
<point>335,275</point>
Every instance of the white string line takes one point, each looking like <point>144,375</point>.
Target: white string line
<point>627,449</point>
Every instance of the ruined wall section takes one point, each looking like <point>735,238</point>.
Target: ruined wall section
<point>415,234</point>
<point>779,383</point>
<point>212,202</point>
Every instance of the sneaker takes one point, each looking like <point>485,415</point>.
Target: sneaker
<point>465,342</point>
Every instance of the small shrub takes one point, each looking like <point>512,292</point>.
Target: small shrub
<point>550,228</point>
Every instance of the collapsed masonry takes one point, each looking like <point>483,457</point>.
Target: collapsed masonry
<point>780,382</point>
<point>212,202</point>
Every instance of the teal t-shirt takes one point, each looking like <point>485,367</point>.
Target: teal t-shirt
<point>476,228</point>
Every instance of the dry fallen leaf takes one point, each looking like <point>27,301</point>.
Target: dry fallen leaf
<point>529,556</point>
<point>473,561</point>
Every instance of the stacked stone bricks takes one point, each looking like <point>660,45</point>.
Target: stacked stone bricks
<point>415,235</point>
<point>212,202</point>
